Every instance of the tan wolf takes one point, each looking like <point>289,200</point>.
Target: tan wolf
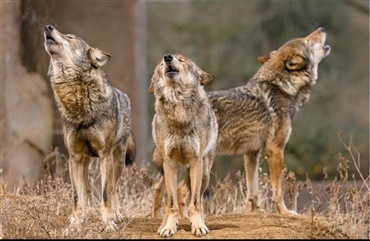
<point>259,115</point>
<point>96,121</point>
<point>184,130</point>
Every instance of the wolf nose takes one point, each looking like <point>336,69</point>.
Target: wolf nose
<point>322,29</point>
<point>48,28</point>
<point>167,58</point>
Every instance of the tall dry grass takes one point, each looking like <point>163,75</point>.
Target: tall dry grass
<point>40,211</point>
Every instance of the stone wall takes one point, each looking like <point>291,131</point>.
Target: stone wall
<point>30,122</point>
<point>26,109</point>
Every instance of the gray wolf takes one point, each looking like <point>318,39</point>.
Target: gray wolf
<point>184,130</point>
<point>96,120</point>
<point>259,115</point>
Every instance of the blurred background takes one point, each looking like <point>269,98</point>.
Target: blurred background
<point>224,38</point>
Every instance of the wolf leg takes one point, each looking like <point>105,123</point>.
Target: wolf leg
<point>182,193</point>
<point>118,158</point>
<point>108,191</point>
<point>275,158</point>
<point>251,171</point>
<point>78,171</point>
<point>171,217</point>
<point>207,166</point>
<point>198,227</point>
<point>158,192</point>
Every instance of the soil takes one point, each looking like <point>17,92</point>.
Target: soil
<point>47,217</point>
<point>238,226</point>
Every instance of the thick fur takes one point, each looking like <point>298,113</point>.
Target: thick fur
<point>96,120</point>
<point>184,130</point>
<point>259,115</point>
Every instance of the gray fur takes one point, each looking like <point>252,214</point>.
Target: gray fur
<point>96,119</point>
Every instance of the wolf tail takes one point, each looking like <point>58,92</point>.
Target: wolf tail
<point>130,150</point>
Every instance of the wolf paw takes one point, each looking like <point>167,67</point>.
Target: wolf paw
<point>111,226</point>
<point>198,227</point>
<point>289,213</point>
<point>284,211</point>
<point>118,218</point>
<point>199,230</point>
<point>74,225</point>
<point>72,228</point>
<point>167,230</point>
<point>111,220</point>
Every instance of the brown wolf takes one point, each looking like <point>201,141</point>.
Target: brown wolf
<point>184,130</point>
<point>259,114</point>
<point>96,120</point>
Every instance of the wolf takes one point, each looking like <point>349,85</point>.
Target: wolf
<point>258,116</point>
<point>184,130</point>
<point>96,120</point>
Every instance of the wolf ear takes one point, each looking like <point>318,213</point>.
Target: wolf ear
<point>98,57</point>
<point>295,62</point>
<point>205,78</point>
<point>263,59</point>
<point>151,86</point>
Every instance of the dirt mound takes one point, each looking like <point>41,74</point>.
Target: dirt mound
<point>26,216</point>
<point>238,226</point>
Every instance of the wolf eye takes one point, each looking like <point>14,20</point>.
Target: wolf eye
<point>69,36</point>
<point>181,60</point>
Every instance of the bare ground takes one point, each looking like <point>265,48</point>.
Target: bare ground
<point>26,216</point>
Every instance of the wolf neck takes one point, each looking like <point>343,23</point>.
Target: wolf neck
<point>80,95</point>
<point>273,86</point>
<point>180,108</point>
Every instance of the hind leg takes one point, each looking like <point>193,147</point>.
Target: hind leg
<point>108,191</point>
<point>159,189</point>
<point>158,193</point>
<point>182,193</point>
<point>207,166</point>
<point>251,171</point>
<point>119,157</point>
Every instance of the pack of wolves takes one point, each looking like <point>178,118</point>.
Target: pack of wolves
<point>189,128</point>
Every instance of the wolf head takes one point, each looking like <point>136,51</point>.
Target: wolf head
<point>301,53</point>
<point>69,50</point>
<point>176,71</point>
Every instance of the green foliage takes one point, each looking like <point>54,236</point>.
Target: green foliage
<point>225,38</point>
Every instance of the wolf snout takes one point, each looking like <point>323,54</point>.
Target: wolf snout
<point>48,28</point>
<point>167,58</point>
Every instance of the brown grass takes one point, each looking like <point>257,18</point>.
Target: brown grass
<point>341,204</point>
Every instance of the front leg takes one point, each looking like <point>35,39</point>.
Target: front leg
<point>198,227</point>
<point>171,217</point>
<point>108,191</point>
<point>78,171</point>
<point>275,158</point>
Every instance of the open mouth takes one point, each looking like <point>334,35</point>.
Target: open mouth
<point>171,69</point>
<point>49,38</point>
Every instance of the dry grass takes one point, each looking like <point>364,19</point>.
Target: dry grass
<point>41,211</point>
